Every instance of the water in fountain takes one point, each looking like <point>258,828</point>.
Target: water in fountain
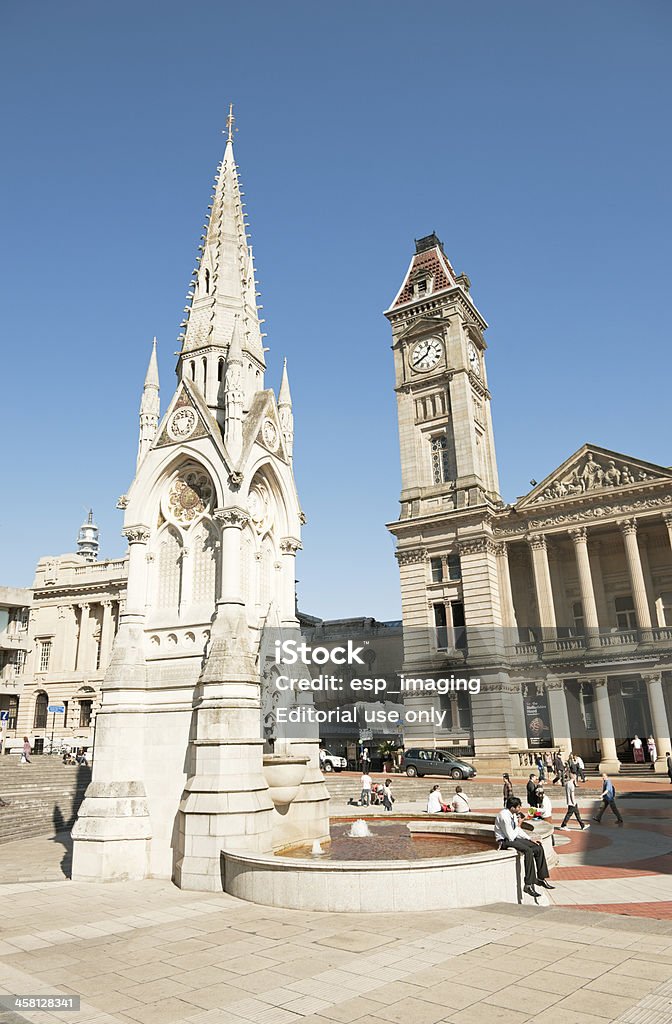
<point>316,849</point>
<point>359,830</point>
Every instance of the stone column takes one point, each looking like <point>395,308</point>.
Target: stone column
<point>628,528</point>
<point>661,726</point>
<point>107,636</point>
<point>605,724</point>
<point>506,595</point>
<point>84,638</point>
<point>542,586</point>
<point>580,540</point>
<point>289,547</point>
<point>646,572</point>
<point>598,584</point>
<point>667,519</point>
<point>557,705</point>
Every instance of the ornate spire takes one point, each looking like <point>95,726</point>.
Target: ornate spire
<point>149,407</point>
<point>224,286</point>
<point>285,411</point>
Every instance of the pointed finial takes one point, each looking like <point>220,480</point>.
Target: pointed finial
<point>230,121</point>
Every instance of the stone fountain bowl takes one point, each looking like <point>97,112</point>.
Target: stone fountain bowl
<point>284,774</point>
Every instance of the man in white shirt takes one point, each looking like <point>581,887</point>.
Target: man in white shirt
<point>366,783</point>
<point>572,804</point>
<point>460,803</point>
<point>510,836</point>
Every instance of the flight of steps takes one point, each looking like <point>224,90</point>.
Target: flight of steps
<point>342,786</point>
<point>43,796</point>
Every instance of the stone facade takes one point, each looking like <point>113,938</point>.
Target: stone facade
<point>560,601</point>
<point>14,645</point>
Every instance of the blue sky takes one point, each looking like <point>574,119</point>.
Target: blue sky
<point>533,138</point>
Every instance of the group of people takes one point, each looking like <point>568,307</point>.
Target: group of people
<point>372,793</point>
<point>459,804</point>
<point>638,749</point>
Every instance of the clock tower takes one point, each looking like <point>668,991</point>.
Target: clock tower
<point>445,425</point>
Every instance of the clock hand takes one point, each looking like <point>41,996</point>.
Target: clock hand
<point>421,357</point>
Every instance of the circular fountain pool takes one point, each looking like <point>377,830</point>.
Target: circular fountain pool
<point>406,863</point>
<point>388,840</point>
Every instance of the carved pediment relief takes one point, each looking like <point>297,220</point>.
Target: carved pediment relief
<point>593,470</point>
<point>183,423</point>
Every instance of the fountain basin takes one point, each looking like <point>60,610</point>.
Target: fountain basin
<point>441,883</point>
<point>284,774</point>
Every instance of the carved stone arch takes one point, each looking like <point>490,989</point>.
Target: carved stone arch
<point>265,479</point>
<point>147,495</point>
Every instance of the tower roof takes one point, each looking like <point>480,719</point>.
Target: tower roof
<point>152,375</point>
<point>224,285</point>
<point>284,395</point>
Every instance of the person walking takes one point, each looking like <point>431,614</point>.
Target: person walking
<point>540,766</point>
<point>572,804</point>
<point>510,836</point>
<point>608,800</point>
<point>366,760</point>
<point>507,789</point>
<point>580,767</point>
<point>651,747</point>
<point>365,784</point>
<point>388,795</point>
<point>668,758</point>
<point>532,788</point>
<point>558,767</point>
<point>27,751</point>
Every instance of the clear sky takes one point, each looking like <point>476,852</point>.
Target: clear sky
<point>532,137</point>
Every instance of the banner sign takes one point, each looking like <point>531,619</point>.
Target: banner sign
<point>538,720</point>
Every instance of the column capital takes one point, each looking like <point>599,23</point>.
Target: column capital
<point>501,548</point>
<point>554,683</point>
<point>235,517</point>
<point>579,534</point>
<point>627,527</point>
<point>599,681</point>
<point>652,677</point>
<point>138,534</point>
<point>290,545</point>
<point>667,519</point>
<point>537,541</point>
<point>410,557</point>
<point>84,605</point>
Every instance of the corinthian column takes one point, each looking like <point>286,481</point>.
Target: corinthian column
<point>605,724</point>
<point>506,594</point>
<point>580,539</point>
<point>557,705</point>
<point>667,518</point>
<point>629,530</point>
<point>289,547</point>
<point>661,726</point>
<point>542,585</point>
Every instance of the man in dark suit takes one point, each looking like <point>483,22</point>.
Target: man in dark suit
<point>532,797</point>
<point>669,764</point>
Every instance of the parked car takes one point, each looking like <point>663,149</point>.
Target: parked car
<point>331,762</point>
<point>419,761</point>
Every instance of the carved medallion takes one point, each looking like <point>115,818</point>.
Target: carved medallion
<point>270,435</point>
<point>182,423</point>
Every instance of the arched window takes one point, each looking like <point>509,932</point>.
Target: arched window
<point>220,370</point>
<point>192,368</point>
<point>205,372</point>
<point>202,544</point>
<point>41,705</point>
<point>170,571</point>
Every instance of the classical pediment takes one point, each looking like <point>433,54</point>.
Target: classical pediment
<point>423,325</point>
<point>592,471</point>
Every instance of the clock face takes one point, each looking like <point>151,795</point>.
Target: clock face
<point>426,354</point>
<point>474,361</point>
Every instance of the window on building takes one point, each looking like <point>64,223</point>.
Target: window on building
<point>85,713</point>
<point>45,655</point>
<point>454,567</point>
<point>577,614</point>
<point>65,714</point>
<point>625,612</point>
<point>440,462</point>
<point>220,370</point>
<point>459,626</point>
<point>441,627</point>
<point>13,712</point>
<point>41,704</point>
<point>463,710</point>
<point>437,570</point>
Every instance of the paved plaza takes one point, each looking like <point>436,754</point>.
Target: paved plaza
<point>148,952</point>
